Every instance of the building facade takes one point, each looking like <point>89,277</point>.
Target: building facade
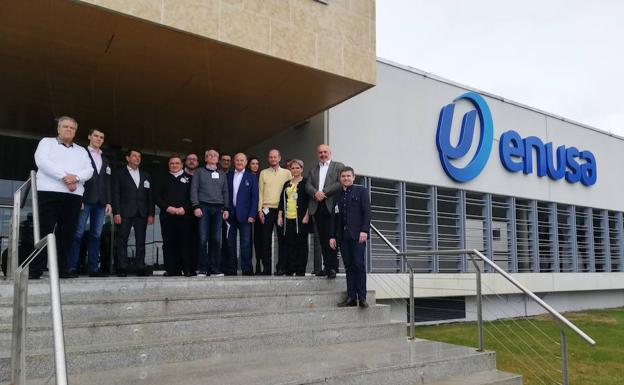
<point>450,167</point>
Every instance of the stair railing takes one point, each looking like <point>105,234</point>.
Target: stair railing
<point>19,273</point>
<point>474,255</point>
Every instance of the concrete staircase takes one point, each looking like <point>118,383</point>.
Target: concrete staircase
<point>245,330</point>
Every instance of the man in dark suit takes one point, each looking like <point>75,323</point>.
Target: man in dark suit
<point>96,203</point>
<point>350,229</point>
<point>173,197</point>
<point>243,193</point>
<point>322,186</point>
<point>191,163</point>
<point>133,207</point>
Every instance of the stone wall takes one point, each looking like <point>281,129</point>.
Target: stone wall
<point>338,37</point>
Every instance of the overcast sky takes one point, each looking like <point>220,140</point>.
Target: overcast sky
<point>564,57</point>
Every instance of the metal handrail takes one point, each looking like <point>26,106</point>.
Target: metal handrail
<point>476,253</point>
<point>20,293</point>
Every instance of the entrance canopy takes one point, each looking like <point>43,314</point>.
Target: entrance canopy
<point>146,85</point>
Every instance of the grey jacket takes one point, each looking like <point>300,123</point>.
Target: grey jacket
<point>331,187</point>
<point>206,189</point>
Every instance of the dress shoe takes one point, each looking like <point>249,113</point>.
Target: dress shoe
<point>144,273</point>
<point>331,274</point>
<point>248,273</point>
<point>68,274</point>
<point>348,302</point>
<point>34,276</point>
<point>98,274</point>
<point>121,274</point>
<point>363,304</point>
<point>321,273</point>
<point>300,274</point>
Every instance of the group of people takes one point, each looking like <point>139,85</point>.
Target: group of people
<point>210,216</point>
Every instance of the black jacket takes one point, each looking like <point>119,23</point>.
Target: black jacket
<point>175,192</point>
<point>302,205</point>
<point>98,188</point>
<point>128,200</point>
<point>358,214</point>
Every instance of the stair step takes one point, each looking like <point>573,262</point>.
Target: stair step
<point>97,309</point>
<point>490,377</point>
<point>395,361</point>
<point>198,324</point>
<point>111,356</point>
<point>112,286</point>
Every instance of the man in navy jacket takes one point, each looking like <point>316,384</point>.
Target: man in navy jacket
<point>350,229</point>
<point>243,195</point>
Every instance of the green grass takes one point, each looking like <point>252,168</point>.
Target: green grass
<point>538,360</point>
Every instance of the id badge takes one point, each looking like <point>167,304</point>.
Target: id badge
<point>336,209</point>
<point>215,175</point>
<point>108,170</point>
<point>295,196</point>
<point>146,184</point>
<point>265,210</point>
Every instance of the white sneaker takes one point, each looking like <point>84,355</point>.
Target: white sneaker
<point>219,275</point>
<point>201,275</point>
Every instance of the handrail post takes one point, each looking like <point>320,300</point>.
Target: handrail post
<point>411,304</point>
<point>57,316</point>
<point>18,339</point>
<point>564,355</point>
<point>35,206</point>
<point>479,304</point>
<point>14,237</point>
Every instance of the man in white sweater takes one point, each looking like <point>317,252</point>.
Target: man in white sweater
<point>63,168</point>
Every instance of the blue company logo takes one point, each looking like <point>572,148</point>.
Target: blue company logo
<point>516,153</point>
<point>448,152</point>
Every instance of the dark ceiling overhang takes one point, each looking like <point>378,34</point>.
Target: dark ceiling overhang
<point>146,85</point>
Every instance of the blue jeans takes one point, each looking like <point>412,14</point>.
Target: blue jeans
<point>95,213</point>
<point>244,229</point>
<point>210,232</point>
<point>352,253</point>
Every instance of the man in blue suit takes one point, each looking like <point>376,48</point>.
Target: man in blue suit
<point>243,191</point>
<point>350,228</point>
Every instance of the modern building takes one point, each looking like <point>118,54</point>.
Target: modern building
<point>536,193</point>
<point>173,75</point>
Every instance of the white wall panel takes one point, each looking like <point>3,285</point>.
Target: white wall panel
<point>389,132</point>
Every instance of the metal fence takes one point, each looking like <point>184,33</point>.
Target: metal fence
<point>519,235</point>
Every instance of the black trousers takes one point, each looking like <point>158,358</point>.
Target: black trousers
<point>194,248</point>
<point>58,213</point>
<point>176,234</point>
<point>123,233</point>
<point>225,252</point>
<point>295,248</point>
<point>322,221</point>
<point>257,244</point>
<point>270,222</point>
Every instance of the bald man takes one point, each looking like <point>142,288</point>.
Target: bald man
<point>322,186</point>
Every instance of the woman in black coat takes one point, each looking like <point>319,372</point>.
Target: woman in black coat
<point>293,219</point>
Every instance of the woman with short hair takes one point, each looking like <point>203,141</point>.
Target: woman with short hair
<point>293,219</point>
